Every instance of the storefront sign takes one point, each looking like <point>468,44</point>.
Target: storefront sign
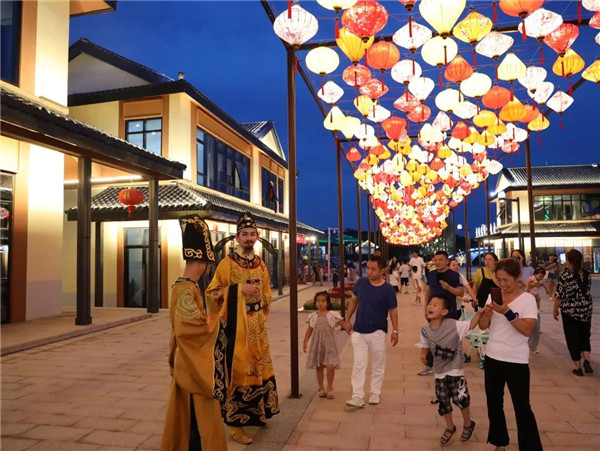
<point>300,239</point>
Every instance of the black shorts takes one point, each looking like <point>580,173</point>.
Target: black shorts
<point>396,288</point>
<point>452,388</point>
<point>404,281</point>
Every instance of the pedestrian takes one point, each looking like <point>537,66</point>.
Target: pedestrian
<point>573,297</point>
<point>533,287</point>
<point>442,281</point>
<point>553,271</point>
<point>484,279</point>
<point>469,296</point>
<point>374,300</point>
<point>197,351</point>
<point>443,338</point>
<point>510,319</point>
<point>417,261</point>
<point>323,353</point>
<point>417,278</point>
<point>394,276</point>
<point>335,277</point>
<point>404,270</point>
<point>242,280</point>
<point>526,270</point>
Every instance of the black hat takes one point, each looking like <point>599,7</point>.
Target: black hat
<point>197,245</point>
<point>246,221</point>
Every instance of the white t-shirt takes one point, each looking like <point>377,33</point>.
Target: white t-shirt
<point>464,282</point>
<point>418,262</point>
<point>505,342</point>
<point>394,278</point>
<point>404,271</point>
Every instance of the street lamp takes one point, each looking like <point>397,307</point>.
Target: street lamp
<point>502,198</point>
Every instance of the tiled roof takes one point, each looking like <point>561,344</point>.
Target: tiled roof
<point>261,128</point>
<point>554,228</point>
<point>178,199</point>
<point>30,115</point>
<point>549,176</point>
<point>114,59</point>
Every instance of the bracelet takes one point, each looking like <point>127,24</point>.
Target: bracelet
<point>394,331</point>
<point>510,315</point>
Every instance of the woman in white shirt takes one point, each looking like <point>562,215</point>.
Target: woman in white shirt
<point>469,293</point>
<point>507,358</point>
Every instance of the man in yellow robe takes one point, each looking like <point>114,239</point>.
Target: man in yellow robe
<point>242,282</point>
<point>196,358</point>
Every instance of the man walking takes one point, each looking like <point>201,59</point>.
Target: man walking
<point>373,300</point>
<point>242,280</point>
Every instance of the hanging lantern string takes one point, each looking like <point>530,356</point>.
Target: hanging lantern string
<point>289,9</point>
<point>524,32</point>
<point>578,11</point>
<point>495,7</point>
<point>474,57</point>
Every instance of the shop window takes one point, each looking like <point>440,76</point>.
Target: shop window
<point>272,191</point>
<point>146,133</point>
<point>10,40</point>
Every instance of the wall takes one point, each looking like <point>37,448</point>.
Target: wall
<point>181,141</point>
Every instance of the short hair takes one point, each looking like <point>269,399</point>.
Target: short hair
<point>446,302</point>
<point>509,266</point>
<point>327,298</point>
<point>539,270</point>
<point>576,259</point>
<point>379,259</point>
<point>444,253</point>
<point>494,256</point>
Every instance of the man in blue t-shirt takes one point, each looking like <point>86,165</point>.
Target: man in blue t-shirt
<point>373,299</point>
<point>442,281</point>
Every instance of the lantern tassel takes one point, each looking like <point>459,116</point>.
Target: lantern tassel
<point>560,123</point>
<point>541,55</point>
<point>130,209</point>
<point>406,93</point>
<point>382,81</point>
<point>413,67</point>
<point>440,78</point>
<point>322,86</point>
<point>337,30</point>
<point>570,87</point>
<point>474,57</point>
<point>289,9</point>
<point>495,8</point>
<point>578,11</point>
<point>445,56</point>
<point>496,73</point>
<point>512,93</point>
<point>410,27</point>
<point>524,32</point>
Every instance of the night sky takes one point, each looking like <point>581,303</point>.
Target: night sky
<point>228,50</point>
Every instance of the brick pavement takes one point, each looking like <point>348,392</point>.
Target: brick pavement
<point>108,391</point>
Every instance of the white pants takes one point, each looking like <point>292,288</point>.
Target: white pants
<point>363,344</point>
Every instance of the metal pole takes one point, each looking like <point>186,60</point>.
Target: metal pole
<point>369,224</point>
<point>530,200</point>
<point>84,228</point>
<point>99,266</point>
<point>467,241</point>
<point>291,94</point>
<point>454,234</point>
<point>328,253</point>
<point>153,254</point>
<point>280,263</point>
<point>487,216</point>
<point>338,152</point>
<point>521,240</point>
<point>359,230</point>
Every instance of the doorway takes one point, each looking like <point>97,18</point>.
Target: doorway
<point>6,209</point>
<point>136,280</point>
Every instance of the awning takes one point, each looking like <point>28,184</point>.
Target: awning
<point>544,229</point>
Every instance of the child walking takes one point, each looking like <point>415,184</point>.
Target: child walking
<point>323,352</point>
<point>443,336</point>
<point>418,281</point>
<point>404,275</point>
<point>532,286</point>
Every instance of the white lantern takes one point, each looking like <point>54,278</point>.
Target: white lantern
<point>542,93</point>
<point>533,77</point>
<point>494,44</point>
<point>476,85</point>
<point>330,93</point>
<point>420,35</point>
<point>405,71</point>
<point>298,29</point>
<point>439,51</point>
<point>421,87</point>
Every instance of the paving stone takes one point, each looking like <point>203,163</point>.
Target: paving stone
<point>13,416</point>
<point>49,445</point>
<point>333,441</point>
<point>59,433</point>
<point>146,427</point>
<point>317,426</point>
<point>126,439</point>
<point>153,442</point>
<point>16,428</point>
<point>107,424</point>
<point>16,444</point>
<point>56,419</point>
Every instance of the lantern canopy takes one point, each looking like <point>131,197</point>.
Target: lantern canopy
<point>494,44</point>
<point>352,46</point>
<point>562,38</point>
<point>365,19</point>
<point>298,28</point>
<point>592,73</point>
<point>540,23</point>
<point>412,36</point>
<point>476,85</point>
<point>439,51</point>
<point>511,68</point>
<point>441,14</point>
<point>330,93</point>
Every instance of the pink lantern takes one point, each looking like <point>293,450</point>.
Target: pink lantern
<point>356,75</point>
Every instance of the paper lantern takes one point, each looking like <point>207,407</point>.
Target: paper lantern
<point>406,102</point>
<point>472,28</point>
<point>513,111</point>
<point>378,114</point>
<point>439,51</point>
<point>353,155</point>
<point>421,88</point>
<point>540,23</point>
<point>484,118</point>
<point>447,99</point>
<point>356,75</point>
<point>336,5</point>
<point>531,112</point>
<point>476,85</point>
<point>365,19</point>
<point>408,4</point>
<point>559,102</point>
<point>131,197</point>
<point>330,93</point>
<point>295,28</point>
<point>458,70</point>
<point>542,93</point>
<point>562,38</point>
<point>349,127</point>
<point>364,104</point>
<point>442,121</point>
<point>441,14</point>
<point>419,113</point>
<point>591,5</point>
<point>334,120</point>
<point>382,55</point>
<point>592,73</point>
<point>520,8</point>
<point>412,36</point>
<point>394,127</point>
<point>494,44</point>
<point>567,65</point>
<point>465,109</point>
<point>352,46</point>
<point>461,131</point>
<point>514,133</point>
<point>406,70</point>
<point>322,60</point>
<point>595,21</point>
<point>364,132</point>
<point>539,124</point>
<point>511,68</point>
<point>497,128</point>
<point>496,97</point>
<point>374,89</point>
<point>533,77</point>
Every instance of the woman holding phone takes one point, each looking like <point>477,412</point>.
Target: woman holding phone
<point>510,314</point>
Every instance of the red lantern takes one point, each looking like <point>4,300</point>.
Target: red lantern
<point>365,19</point>
<point>382,55</point>
<point>394,127</point>
<point>496,97</point>
<point>436,164</point>
<point>353,155</point>
<point>406,102</point>
<point>561,39</point>
<point>458,70</point>
<point>377,150</point>
<point>461,131</point>
<point>595,20</point>
<point>131,197</point>
<point>419,113</point>
<point>374,89</point>
<point>356,75</point>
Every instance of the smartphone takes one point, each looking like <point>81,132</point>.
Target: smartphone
<point>496,294</point>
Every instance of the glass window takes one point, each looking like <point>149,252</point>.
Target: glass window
<point>272,191</point>
<point>146,133</point>
<point>10,40</point>
<point>280,194</point>
<point>200,157</point>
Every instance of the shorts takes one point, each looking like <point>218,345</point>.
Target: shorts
<point>404,281</point>
<point>452,388</point>
<point>396,288</point>
<point>552,276</point>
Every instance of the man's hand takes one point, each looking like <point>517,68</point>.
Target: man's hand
<point>250,290</point>
<point>445,285</point>
<point>348,326</point>
<point>394,338</point>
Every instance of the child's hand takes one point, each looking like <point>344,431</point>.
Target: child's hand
<point>305,347</point>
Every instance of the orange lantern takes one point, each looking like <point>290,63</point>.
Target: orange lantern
<point>458,70</point>
<point>520,8</point>
<point>561,39</point>
<point>461,131</point>
<point>353,155</point>
<point>567,65</point>
<point>131,197</point>
<point>513,111</point>
<point>496,97</point>
<point>394,127</point>
<point>365,19</point>
<point>382,55</point>
<point>531,113</point>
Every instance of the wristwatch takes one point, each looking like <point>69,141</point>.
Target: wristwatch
<point>394,331</point>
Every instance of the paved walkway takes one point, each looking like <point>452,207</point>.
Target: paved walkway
<point>108,391</point>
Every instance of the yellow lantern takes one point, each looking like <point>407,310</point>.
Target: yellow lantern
<point>406,179</point>
<point>371,160</point>
<point>513,111</point>
<point>497,128</point>
<point>473,137</point>
<point>486,139</point>
<point>386,153</point>
<point>350,125</point>
<point>484,118</point>
<point>364,105</point>
<point>592,73</point>
<point>441,14</point>
<point>511,68</point>
<point>444,152</point>
<point>567,65</point>
<point>472,28</point>
<point>334,120</point>
<point>539,123</point>
<point>322,60</point>
<point>353,46</point>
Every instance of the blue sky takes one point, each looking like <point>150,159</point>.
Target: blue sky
<point>228,50</point>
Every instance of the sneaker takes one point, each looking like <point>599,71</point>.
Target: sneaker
<point>355,402</point>
<point>425,371</point>
<point>374,399</point>
<point>587,367</point>
<point>578,372</point>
